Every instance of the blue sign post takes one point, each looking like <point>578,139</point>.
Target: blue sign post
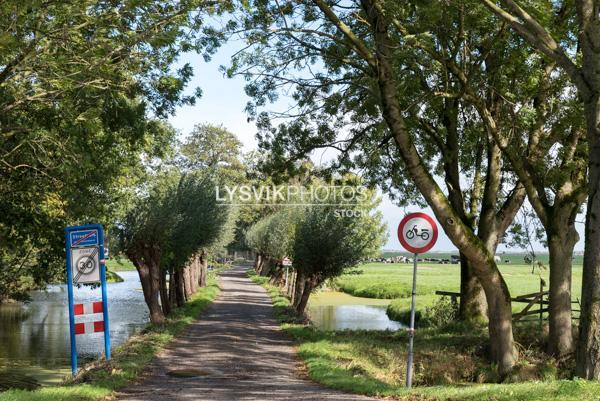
<point>85,264</point>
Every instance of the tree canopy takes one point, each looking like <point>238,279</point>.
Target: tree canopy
<point>83,88</point>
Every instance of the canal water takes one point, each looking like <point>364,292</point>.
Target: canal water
<point>34,337</point>
<point>332,310</point>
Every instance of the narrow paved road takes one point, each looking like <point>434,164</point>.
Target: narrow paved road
<point>235,351</point>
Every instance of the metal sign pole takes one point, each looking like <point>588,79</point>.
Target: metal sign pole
<point>104,296</point>
<point>411,330</point>
<point>71,308</point>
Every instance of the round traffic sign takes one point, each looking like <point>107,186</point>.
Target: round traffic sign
<point>85,264</point>
<point>417,232</point>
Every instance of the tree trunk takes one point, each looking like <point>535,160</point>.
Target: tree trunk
<point>203,269</point>
<point>502,345</point>
<point>194,272</point>
<point>588,349</point>
<point>277,278</point>
<point>298,290</point>
<point>561,243</point>
<point>260,259</point>
<point>179,288</point>
<point>267,266</point>
<point>145,281</point>
<point>164,293</point>
<point>187,285</point>
<point>193,275</point>
<point>172,285</point>
<point>149,272</point>
<point>303,299</point>
<point>292,286</point>
<point>473,305</point>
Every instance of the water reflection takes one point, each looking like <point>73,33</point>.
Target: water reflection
<point>37,334</point>
<point>354,317</point>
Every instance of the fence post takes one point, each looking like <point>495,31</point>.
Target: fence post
<point>541,303</point>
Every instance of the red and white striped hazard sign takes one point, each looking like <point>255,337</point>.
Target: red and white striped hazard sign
<point>89,309</point>
<point>89,327</point>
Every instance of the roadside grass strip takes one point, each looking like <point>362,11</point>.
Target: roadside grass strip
<point>449,363</point>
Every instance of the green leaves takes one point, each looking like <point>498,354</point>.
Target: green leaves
<point>214,150</point>
<point>336,235</point>
<point>200,221</point>
<point>325,236</point>
<point>178,213</point>
<point>274,235</point>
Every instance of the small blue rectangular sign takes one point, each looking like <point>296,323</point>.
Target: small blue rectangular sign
<point>83,238</point>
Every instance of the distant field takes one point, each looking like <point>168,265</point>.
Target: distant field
<point>394,280</point>
<point>514,258</point>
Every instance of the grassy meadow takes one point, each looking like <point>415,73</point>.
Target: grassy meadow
<point>394,281</point>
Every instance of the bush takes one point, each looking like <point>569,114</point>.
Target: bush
<point>442,313</point>
<point>402,315</point>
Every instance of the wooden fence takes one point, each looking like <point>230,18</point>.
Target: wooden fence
<point>536,305</point>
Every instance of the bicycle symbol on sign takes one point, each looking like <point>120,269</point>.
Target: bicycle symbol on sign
<point>414,232</point>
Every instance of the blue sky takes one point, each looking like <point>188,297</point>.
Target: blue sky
<point>223,102</point>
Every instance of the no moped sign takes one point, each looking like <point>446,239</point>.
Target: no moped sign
<point>417,232</point>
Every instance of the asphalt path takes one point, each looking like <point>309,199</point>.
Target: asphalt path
<point>234,351</point>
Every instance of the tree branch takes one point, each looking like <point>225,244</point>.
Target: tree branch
<point>358,44</point>
<point>537,36</point>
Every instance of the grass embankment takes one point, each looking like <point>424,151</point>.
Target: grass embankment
<point>449,363</point>
<point>99,380</point>
<point>112,277</point>
<point>394,281</point>
<point>119,265</point>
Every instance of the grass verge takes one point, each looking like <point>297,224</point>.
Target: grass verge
<point>99,380</point>
<point>448,364</point>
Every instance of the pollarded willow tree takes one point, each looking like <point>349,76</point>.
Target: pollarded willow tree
<point>334,235</point>
<point>272,237</point>
<point>201,225</point>
<point>173,224</point>
<point>256,239</point>
<point>354,69</point>
<point>323,238</point>
<point>144,235</point>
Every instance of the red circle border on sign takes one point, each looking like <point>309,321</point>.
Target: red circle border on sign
<point>433,236</point>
